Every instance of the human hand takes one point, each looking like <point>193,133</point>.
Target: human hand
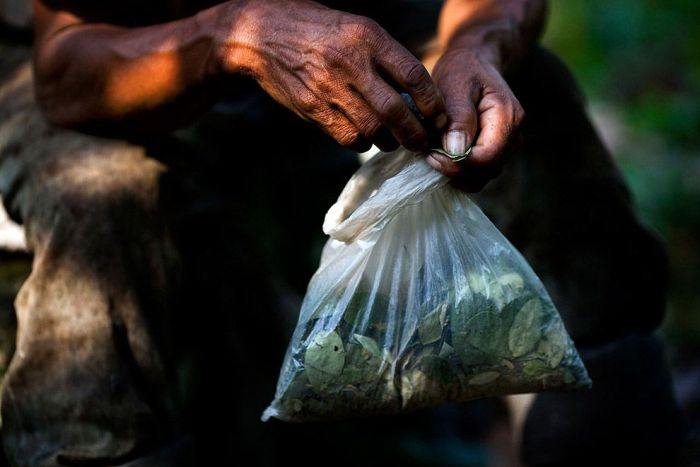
<point>338,70</point>
<point>482,112</point>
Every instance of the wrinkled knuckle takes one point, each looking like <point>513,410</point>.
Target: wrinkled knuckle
<point>389,106</point>
<point>348,137</point>
<point>363,31</point>
<point>335,57</point>
<point>370,126</point>
<point>307,103</point>
<point>416,76</point>
<point>367,29</point>
<point>476,85</point>
<point>346,62</point>
<point>462,113</point>
<point>323,116</point>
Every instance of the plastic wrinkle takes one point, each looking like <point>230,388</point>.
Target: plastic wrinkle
<point>418,300</point>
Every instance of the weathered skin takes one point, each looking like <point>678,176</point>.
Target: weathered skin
<point>330,67</point>
<point>127,245</point>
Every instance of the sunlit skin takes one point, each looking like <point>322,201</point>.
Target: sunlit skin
<point>332,68</point>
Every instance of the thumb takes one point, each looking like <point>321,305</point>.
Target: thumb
<point>462,126</point>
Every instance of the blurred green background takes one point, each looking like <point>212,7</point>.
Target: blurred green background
<point>638,62</point>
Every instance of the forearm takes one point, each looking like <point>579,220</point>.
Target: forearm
<point>135,79</point>
<point>502,30</point>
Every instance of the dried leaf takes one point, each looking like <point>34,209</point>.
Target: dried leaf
<point>526,330</point>
<point>368,344</point>
<point>513,280</point>
<point>477,284</point>
<point>507,363</point>
<point>554,345</point>
<point>446,350</point>
<point>476,324</point>
<point>324,358</point>
<point>430,327</point>
<point>535,368</point>
<point>432,380</point>
<point>484,378</point>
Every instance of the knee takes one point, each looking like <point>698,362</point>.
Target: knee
<point>92,192</point>
<point>617,421</point>
<point>598,255</point>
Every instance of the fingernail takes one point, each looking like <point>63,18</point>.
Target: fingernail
<point>441,121</point>
<point>455,142</point>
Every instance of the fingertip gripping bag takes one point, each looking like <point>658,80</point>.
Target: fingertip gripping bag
<point>418,300</point>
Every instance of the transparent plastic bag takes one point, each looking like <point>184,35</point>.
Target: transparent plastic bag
<point>418,300</point>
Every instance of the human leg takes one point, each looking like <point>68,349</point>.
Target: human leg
<point>89,383</point>
<point>89,380</point>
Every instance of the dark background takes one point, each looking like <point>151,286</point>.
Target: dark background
<point>638,62</point>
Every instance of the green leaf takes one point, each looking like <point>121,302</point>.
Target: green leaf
<point>446,350</point>
<point>507,363</point>
<point>360,366</point>
<point>454,157</point>
<point>473,324</point>
<point>324,359</point>
<point>430,327</point>
<point>369,344</point>
<point>477,284</point>
<point>484,378</point>
<point>526,330</point>
<point>498,289</point>
<point>363,302</point>
<point>535,368</point>
<point>477,323</point>
<point>570,378</point>
<point>554,346</point>
<point>512,280</point>
<point>358,305</point>
<point>430,381</point>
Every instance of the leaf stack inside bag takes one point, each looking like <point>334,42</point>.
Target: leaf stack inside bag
<point>426,305</point>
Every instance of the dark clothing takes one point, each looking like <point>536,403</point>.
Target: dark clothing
<point>160,301</point>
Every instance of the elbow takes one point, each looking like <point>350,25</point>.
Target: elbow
<point>59,107</point>
<point>65,95</point>
<point>56,115</point>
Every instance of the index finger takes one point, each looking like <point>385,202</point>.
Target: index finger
<point>393,112</point>
<point>498,124</point>
<point>410,75</point>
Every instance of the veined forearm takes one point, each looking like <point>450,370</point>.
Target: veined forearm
<point>506,30</point>
<point>88,74</point>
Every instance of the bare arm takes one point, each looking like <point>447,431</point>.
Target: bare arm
<point>94,74</point>
<point>505,30</point>
<point>481,40</point>
<point>325,65</point>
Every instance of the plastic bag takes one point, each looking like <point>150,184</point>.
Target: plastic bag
<point>418,300</point>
